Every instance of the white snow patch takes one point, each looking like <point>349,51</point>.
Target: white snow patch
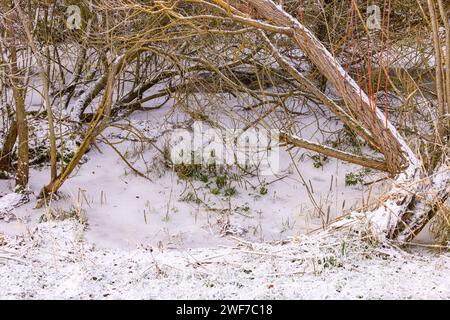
<point>8,203</point>
<point>316,267</point>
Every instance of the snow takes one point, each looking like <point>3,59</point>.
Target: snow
<point>56,261</point>
<point>125,210</point>
<point>8,203</point>
<point>139,240</point>
<point>113,234</point>
<point>384,219</point>
<point>251,245</point>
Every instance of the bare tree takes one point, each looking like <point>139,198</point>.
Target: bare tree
<point>18,93</point>
<point>183,46</point>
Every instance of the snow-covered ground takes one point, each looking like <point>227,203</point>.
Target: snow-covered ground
<point>57,261</point>
<point>126,210</point>
<point>149,238</point>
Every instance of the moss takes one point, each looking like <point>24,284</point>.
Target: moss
<point>221,181</point>
<point>229,192</point>
<point>319,161</point>
<point>263,191</point>
<point>354,178</point>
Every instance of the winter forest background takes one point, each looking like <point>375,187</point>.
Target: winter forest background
<point>333,117</point>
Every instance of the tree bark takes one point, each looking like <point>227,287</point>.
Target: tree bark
<point>356,100</point>
<point>334,153</point>
<point>401,215</point>
<point>44,75</point>
<point>18,94</point>
<point>22,125</point>
<point>97,125</point>
<point>440,92</point>
<point>8,147</point>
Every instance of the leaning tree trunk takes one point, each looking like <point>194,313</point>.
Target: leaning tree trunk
<point>407,208</point>
<point>98,124</point>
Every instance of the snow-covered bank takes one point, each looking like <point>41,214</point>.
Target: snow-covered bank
<point>126,210</point>
<point>56,261</point>
<point>154,240</point>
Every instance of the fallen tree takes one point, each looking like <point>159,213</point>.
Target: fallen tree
<point>416,195</point>
<point>418,192</point>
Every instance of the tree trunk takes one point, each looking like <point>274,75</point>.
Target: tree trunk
<point>391,144</point>
<point>18,94</point>
<point>8,146</point>
<point>22,125</point>
<point>402,213</point>
<point>97,125</point>
<point>45,78</point>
